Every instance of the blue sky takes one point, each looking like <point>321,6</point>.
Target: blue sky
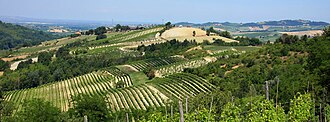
<point>169,10</point>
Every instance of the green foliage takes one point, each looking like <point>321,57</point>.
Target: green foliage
<point>37,110</point>
<point>64,66</point>
<point>149,72</point>
<point>94,107</point>
<point>119,27</point>
<point>45,58</point>
<point>155,117</point>
<point>319,58</point>
<point>246,41</point>
<point>6,109</point>
<point>326,32</point>
<point>14,36</point>
<point>4,65</point>
<point>169,48</point>
<point>24,64</point>
<point>100,31</point>
<point>101,36</point>
<point>90,32</point>
<point>198,115</point>
<point>63,52</point>
<point>264,110</point>
<point>287,39</point>
<point>327,112</point>
<point>74,35</point>
<point>168,25</point>
<point>243,41</point>
<point>301,108</point>
<point>120,84</point>
<point>231,113</point>
<point>220,33</point>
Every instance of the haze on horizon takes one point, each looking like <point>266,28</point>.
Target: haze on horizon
<point>169,10</point>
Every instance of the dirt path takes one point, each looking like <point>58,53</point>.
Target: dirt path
<point>130,67</point>
<point>14,65</point>
<point>15,57</point>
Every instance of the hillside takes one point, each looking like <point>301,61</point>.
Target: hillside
<point>186,33</point>
<point>14,36</point>
<point>288,23</point>
<point>138,76</point>
<point>267,23</point>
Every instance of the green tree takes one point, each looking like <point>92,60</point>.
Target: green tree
<point>94,107</point>
<point>120,84</point>
<point>150,73</point>
<point>100,30</point>
<point>62,52</point>
<point>24,64</point>
<point>3,65</point>
<point>45,58</point>
<point>319,57</point>
<point>102,36</point>
<point>168,24</point>
<point>37,110</point>
<point>117,27</point>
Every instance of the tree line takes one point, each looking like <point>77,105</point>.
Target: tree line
<point>168,48</point>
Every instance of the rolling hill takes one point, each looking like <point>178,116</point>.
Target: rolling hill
<point>13,36</point>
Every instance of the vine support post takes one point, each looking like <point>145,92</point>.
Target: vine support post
<point>166,111</point>
<point>127,120</point>
<point>171,111</point>
<point>208,118</point>
<point>267,90</point>
<point>187,105</point>
<point>321,112</point>
<point>85,118</point>
<point>277,82</point>
<point>181,112</point>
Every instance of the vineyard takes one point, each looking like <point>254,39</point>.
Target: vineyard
<point>120,76</point>
<point>158,92</point>
<point>133,71</point>
<point>153,94</point>
<point>118,39</point>
<point>180,66</point>
<point>183,85</point>
<point>60,93</point>
<point>152,63</point>
<point>140,97</point>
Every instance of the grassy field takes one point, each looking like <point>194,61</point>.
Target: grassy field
<point>138,78</point>
<point>308,33</point>
<point>263,36</point>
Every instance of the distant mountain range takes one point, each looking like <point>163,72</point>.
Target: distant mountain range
<point>259,24</point>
